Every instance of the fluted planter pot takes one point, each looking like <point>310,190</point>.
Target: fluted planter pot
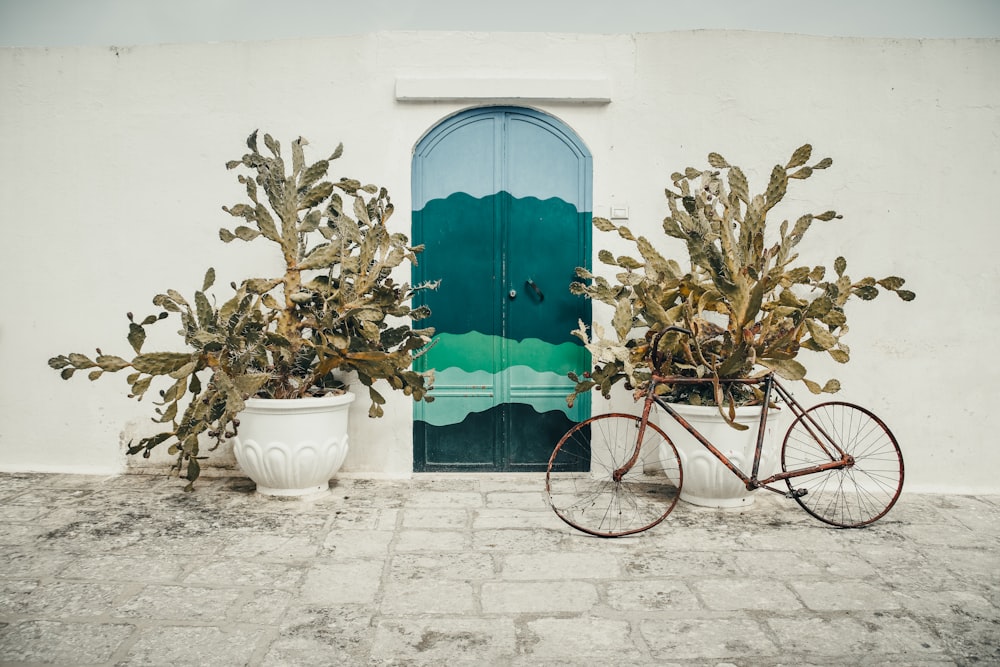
<point>707,482</point>
<point>292,447</point>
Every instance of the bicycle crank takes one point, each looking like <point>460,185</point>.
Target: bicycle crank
<point>796,493</point>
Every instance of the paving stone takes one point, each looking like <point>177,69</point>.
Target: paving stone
<point>845,564</point>
<point>526,500</point>
<point>355,581</point>
<point>261,606</point>
<point>970,641</point>
<point>533,482</point>
<point>651,594</point>
<point>192,646</point>
<point>965,565</point>
<point>666,538</point>
<point>107,567</point>
<point>786,562</point>
<point>432,540</point>
<point>46,497</point>
<point>55,599</point>
<point>949,503</point>
<point>537,597</point>
<point>516,540</point>
<point>560,565</point>
<point>445,499</point>
<point>22,513</point>
<point>708,638</point>
<point>938,603</point>
<point>947,535</point>
<point>440,641</point>
<point>318,656</point>
<point>344,543</point>
<point>280,547</point>
<point>61,643</point>
<point>22,562</point>
<point>444,566</point>
<point>741,594</point>
<point>12,595</point>
<point>363,518</point>
<point>982,521</point>
<point>435,518</point>
<point>20,533</point>
<point>445,483</point>
<point>178,603</point>
<point>138,547</point>
<point>898,563</point>
<point>324,629</point>
<point>16,483</point>
<point>428,596</point>
<point>844,596</point>
<point>584,641</point>
<point>811,537</point>
<point>233,572</point>
<point>642,564</point>
<point>491,518</point>
<point>866,634</point>
<point>633,545</point>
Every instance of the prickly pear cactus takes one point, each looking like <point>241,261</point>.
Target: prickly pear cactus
<point>335,309</point>
<point>749,306</point>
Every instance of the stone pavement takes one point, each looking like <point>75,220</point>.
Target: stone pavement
<point>475,570</point>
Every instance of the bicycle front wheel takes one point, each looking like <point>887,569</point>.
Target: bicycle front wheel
<point>602,480</point>
<point>857,494</point>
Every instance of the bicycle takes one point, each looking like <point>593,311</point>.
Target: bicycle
<point>619,474</point>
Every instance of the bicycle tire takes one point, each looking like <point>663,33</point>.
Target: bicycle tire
<point>853,496</point>
<point>580,477</point>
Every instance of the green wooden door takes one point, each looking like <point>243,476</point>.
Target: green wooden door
<point>501,200</point>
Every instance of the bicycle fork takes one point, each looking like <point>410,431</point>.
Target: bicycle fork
<point>618,474</point>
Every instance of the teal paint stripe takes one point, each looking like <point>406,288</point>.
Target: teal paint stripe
<point>474,351</point>
<point>440,413</point>
<point>458,393</point>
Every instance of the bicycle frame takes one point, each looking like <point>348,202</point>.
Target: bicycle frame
<point>850,465</point>
<point>838,457</point>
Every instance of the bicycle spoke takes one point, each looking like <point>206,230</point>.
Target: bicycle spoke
<point>856,494</point>
<point>591,499</point>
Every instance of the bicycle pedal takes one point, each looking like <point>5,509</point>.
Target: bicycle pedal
<point>796,493</point>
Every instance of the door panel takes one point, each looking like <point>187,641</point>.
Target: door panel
<point>502,204</point>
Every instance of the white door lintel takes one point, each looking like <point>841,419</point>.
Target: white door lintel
<point>579,90</point>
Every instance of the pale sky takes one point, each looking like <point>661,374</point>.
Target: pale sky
<point>130,22</point>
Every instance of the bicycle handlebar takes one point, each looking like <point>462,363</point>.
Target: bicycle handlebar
<point>676,328</point>
<point>654,350</point>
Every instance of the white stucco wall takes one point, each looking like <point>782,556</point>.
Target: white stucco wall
<point>113,177</point>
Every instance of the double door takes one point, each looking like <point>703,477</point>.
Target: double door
<point>501,202</point>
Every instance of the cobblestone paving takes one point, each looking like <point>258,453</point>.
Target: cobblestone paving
<point>475,570</point>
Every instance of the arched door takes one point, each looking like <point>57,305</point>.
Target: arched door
<point>502,203</point>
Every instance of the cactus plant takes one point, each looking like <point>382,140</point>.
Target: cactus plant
<point>335,309</point>
<point>750,307</point>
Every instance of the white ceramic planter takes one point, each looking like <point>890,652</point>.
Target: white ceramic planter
<point>707,482</point>
<point>293,447</point>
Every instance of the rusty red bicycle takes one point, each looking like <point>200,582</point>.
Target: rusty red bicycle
<point>619,474</point>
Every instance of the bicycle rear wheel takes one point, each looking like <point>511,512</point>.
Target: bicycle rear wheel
<point>855,495</point>
<point>585,491</point>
